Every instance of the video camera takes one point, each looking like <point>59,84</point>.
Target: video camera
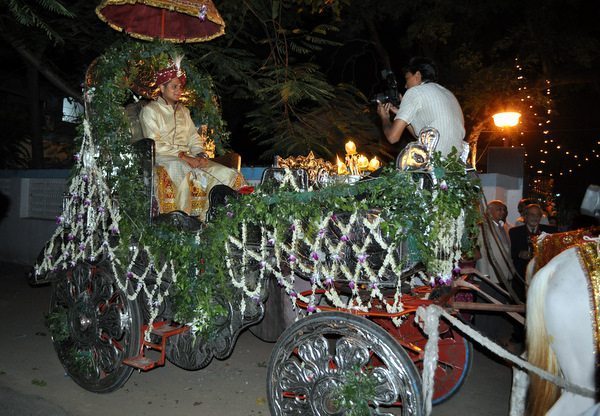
<point>390,94</point>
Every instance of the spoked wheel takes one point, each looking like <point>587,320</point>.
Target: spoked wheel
<point>94,327</point>
<point>455,354</point>
<point>319,354</point>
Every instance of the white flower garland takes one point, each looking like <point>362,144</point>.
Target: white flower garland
<point>326,266</point>
<point>89,220</point>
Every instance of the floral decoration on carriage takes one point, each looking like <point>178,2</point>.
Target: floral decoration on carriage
<point>358,245</point>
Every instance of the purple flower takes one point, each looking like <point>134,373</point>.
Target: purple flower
<point>280,282</point>
<point>293,294</point>
<point>271,241</point>
<point>443,186</point>
<point>49,256</point>
<point>351,285</point>
<point>114,229</point>
<point>292,258</point>
<point>362,257</point>
<point>336,257</point>
<point>77,157</point>
<point>329,282</point>
<point>445,279</point>
<point>333,218</point>
<point>373,285</point>
<point>60,219</point>
<point>85,178</point>
<point>311,309</point>
<point>81,247</point>
<point>70,237</point>
<point>292,227</point>
<point>314,278</point>
<point>344,238</point>
<point>101,210</point>
<point>129,275</point>
<point>255,298</point>
<point>321,232</point>
<point>230,214</point>
<point>456,271</point>
<point>261,264</point>
<point>80,217</point>
<point>314,255</point>
<point>87,202</point>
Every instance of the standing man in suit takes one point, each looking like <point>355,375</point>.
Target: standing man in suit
<point>521,243</point>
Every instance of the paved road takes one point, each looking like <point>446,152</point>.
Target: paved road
<point>32,381</point>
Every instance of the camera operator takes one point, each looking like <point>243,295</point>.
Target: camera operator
<point>425,104</point>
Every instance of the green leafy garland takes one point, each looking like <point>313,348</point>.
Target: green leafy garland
<point>412,214</point>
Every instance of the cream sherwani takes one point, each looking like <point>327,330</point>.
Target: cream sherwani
<point>173,131</point>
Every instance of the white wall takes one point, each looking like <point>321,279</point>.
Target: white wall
<point>35,202</point>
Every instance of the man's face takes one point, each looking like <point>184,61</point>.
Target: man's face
<point>412,79</point>
<point>533,216</point>
<point>496,212</point>
<point>171,91</point>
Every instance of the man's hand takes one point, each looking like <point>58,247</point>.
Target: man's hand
<point>195,162</point>
<point>384,110</point>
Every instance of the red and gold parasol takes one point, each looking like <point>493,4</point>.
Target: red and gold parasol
<point>171,20</point>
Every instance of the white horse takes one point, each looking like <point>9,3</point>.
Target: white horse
<point>560,335</point>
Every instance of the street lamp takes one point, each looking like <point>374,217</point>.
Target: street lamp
<point>506,119</point>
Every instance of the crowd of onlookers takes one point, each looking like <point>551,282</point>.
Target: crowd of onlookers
<point>504,250</point>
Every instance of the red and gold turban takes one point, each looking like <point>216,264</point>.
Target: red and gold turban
<point>173,70</point>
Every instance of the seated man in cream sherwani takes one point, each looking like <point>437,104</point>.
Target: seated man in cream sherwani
<point>184,175</point>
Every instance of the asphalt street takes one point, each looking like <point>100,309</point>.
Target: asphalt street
<point>33,382</point>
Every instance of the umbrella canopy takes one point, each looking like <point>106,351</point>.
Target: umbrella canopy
<point>171,20</point>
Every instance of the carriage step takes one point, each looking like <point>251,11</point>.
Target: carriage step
<point>162,329</point>
<point>166,330</point>
<point>141,362</point>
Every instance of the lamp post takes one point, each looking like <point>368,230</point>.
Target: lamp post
<point>506,119</point>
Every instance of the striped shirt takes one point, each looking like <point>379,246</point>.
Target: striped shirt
<point>431,105</point>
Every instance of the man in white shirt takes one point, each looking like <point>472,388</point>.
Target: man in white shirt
<point>425,104</point>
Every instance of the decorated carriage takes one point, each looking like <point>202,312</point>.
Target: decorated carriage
<point>353,256</point>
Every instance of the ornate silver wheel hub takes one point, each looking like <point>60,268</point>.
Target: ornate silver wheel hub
<point>84,322</point>
<point>323,397</point>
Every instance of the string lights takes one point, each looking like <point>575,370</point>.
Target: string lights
<point>551,153</point>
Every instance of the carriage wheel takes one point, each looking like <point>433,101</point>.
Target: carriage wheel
<point>94,327</point>
<point>318,354</point>
<point>455,354</point>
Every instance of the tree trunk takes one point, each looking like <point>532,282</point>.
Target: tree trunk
<point>473,139</point>
<point>53,78</point>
